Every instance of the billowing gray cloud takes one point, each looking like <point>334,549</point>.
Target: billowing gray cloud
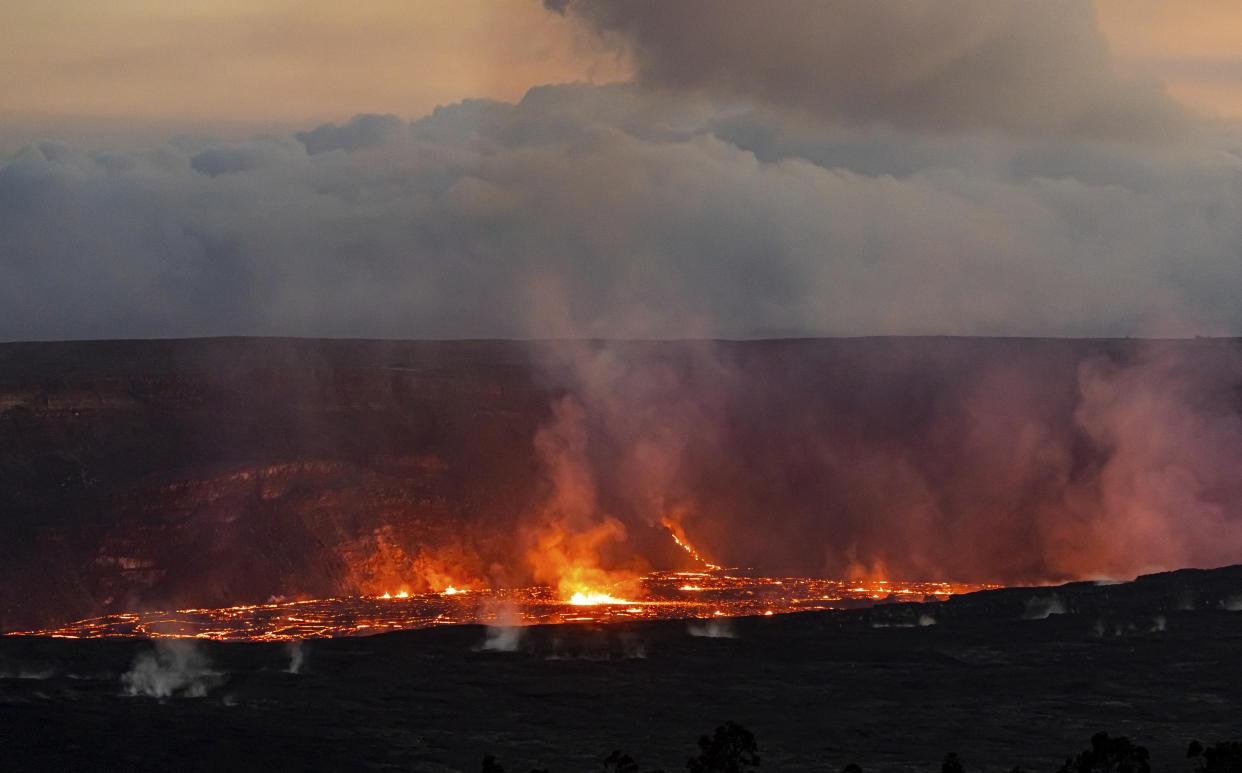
<point>364,131</point>
<point>614,211</point>
<point>625,211</point>
<point>1040,68</point>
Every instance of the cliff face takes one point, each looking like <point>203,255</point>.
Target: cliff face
<point>226,471</point>
<point>187,473</point>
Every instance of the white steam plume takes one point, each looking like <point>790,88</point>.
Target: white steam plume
<point>173,667</point>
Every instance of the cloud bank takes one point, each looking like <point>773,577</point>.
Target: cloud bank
<point>1028,68</point>
<point>792,168</point>
<point>613,211</point>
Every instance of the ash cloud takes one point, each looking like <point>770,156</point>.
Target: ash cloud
<point>1031,68</point>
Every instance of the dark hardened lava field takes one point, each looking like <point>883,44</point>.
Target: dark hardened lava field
<point>1154,660</point>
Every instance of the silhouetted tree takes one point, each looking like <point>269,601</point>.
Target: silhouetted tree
<point>951,764</point>
<point>1109,755</point>
<point>1223,757</point>
<point>731,749</point>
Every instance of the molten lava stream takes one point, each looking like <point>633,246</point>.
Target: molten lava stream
<point>679,536</point>
<point>592,598</point>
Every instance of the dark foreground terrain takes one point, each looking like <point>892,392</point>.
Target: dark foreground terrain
<point>1003,678</point>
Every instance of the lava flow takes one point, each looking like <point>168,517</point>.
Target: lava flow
<point>593,598</point>
<point>679,536</point>
<point>663,595</point>
<point>579,590</point>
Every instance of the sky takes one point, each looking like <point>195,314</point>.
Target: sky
<point>517,168</point>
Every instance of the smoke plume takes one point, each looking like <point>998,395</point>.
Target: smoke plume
<point>1003,461</point>
<point>712,629</point>
<point>173,667</point>
<point>297,655</point>
<point>1040,68</point>
<point>505,631</point>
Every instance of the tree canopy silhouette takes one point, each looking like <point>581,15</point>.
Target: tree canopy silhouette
<point>1109,755</point>
<point>1223,757</point>
<point>731,749</point>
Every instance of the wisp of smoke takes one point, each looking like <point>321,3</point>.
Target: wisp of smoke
<point>712,629</point>
<point>297,655</point>
<point>505,633</point>
<point>1041,607</point>
<point>502,638</point>
<point>172,667</point>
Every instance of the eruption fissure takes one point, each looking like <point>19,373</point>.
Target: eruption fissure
<point>679,536</point>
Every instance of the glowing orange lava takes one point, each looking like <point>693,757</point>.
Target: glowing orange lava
<point>679,536</point>
<point>657,595</point>
<point>570,561</point>
<point>591,598</point>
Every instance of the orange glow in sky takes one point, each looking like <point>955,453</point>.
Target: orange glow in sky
<point>83,67</point>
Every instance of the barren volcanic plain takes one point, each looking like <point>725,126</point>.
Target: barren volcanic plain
<point>1009,677</point>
